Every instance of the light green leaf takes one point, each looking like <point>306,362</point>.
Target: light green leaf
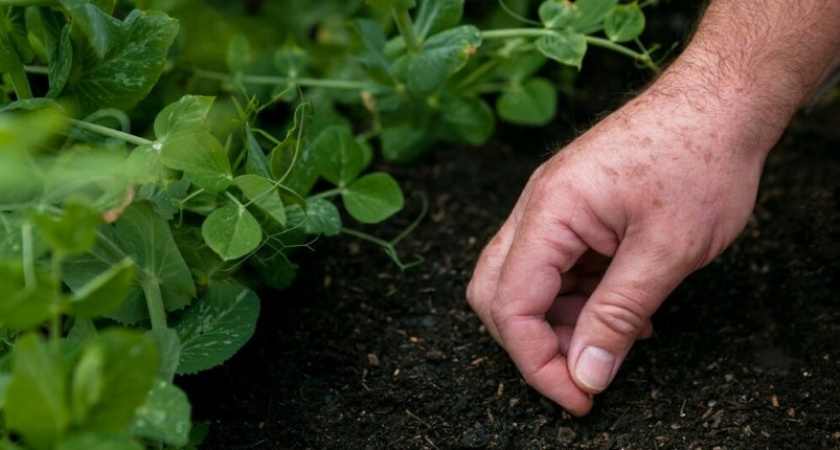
<point>624,22</point>
<point>202,159</point>
<point>532,103</point>
<point>592,13</point>
<point>169,351</point>
<point>340,157</point>
<point>284,156</point>
<point>470,118</point>
<point>144,236</point>
<point>437,15</point>
<point>264,194</point>
<point>36,402</point>
<point>373,198</point>
<point>219,324</point>
<point>321,217</point>
<point>442,55</point>
<point>99,27</point>
<point>564,46</point>
<point>128,71</point>
<point>232,232</point>
<point>73,232</point>
<point>97,441</point>
<point>103,294</point>
<point>558,14</point>
<point>23,307</point>
<point>186,116</point>
<point>165,417</point>
<point>111,379</point>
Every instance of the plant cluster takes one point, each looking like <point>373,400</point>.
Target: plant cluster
<point>129,258</point>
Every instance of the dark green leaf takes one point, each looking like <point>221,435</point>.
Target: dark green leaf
<point>129,70</point>
<point>278,272</point>
<point>101,30</point>
<point>373,198</point>
<point>232,232</point>
<point>441,56</point>
<point>36,397</point>
<point>219,324</point>
<point>532,103</point>
<point>23,307</point>
<point>386,5</point>
<point>372,42</point>
<point>437,15</point>
<point>282,157</point>
<point>558,14</point>
<point>624,22</point>
<point>592,13</point>
<point>470,118</point>
<point>165,417</point>
<point>103,294</point>
<point>564,46</point>
<point>340,157</point>
<point>256,162</point>
<point>59,50</point>
<point>97,441</point>
<point>202,159</point>
<point>405,142</point>
<point>264,194</point>
<point>238,54</point>
<point>321,217</point>
<point>169,351</point>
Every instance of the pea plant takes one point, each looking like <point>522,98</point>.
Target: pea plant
<point>129,258</point>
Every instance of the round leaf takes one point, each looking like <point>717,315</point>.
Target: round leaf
<point>441,56</point>
<point>564,46</point>
<point>232,232</point>
<point>165,417</point>
<point>340,158</point>
<point>533,103</point>
<point>624,22</point>
<point>373,198</point>
<point>558,13</point>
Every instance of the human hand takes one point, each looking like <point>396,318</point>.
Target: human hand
<point>605,230</point>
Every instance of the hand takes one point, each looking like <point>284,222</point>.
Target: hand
<point>605,230</point>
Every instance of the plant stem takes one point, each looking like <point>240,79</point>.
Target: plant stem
<point>327,194</point>
<point>275,80</point>
<point>591,40</point>
<point>406,27</point>
<point>39,70</point>
<point>154,301</point>
<point>15,69</point>
<point>110,132</point>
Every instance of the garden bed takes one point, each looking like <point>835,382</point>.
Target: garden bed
<point>360,356</point>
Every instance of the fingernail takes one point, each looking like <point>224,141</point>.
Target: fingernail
<point>595,368</point>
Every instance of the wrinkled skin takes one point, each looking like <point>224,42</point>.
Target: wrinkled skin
<point>603,232</point>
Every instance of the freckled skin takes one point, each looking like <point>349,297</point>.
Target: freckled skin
<point>610,225</point>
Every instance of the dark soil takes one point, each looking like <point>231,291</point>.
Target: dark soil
<point>746,353</point>
<point>360,356</point>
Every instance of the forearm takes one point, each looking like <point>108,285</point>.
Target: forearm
<point>756,61</point>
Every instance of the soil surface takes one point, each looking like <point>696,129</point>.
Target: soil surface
<point>360,356</point>
<point>745,355</point>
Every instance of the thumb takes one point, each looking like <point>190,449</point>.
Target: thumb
<point>618,312</point>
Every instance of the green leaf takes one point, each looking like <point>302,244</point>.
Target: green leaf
<point>264,194</point>
<point>564,46</point>
<point>624,22</point>
<point>73,232</point>
<point>290,61</point>
<point>23,307</point>
<point>232,232</point>
<point>188,115</point>
<point>220,323</point>
<point>36,397</point>
<point>202,159</point>
<point>532,103</point>
<point>103,294</point>
<point>372,41</point>
<point>340,158</point>
<point>592,14</point>
<point>437,15</point>
<point>405,142</point>
<point>558,14</point>
<point>238,53</point>
<point>470,118</point>
<point>144,236</point>
<point>256,163</point>
<point>59,50</point>
<point>130,68</point>
<point>283,156</point>
<point>4,385</point>
<point>520,66</point>
<point>97,441</point>
<point>164,417</point>
<point>387,5</point>
<point>373,198</point>
<point>169,351</point>
<point>99,27</point>
<point>442,55</point>
<point>111,379</point>
<point>321,217</point>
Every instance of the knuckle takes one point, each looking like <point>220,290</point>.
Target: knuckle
<point>623,314</point>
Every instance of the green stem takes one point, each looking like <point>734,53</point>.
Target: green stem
<point>16,70</point>
<point>154,301</point>
<point>275,80</point>
<point>327,194</point>
<point>477,74</point>
<point>110,132</point>
<point>38,70</point>
<point>406,27</point>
